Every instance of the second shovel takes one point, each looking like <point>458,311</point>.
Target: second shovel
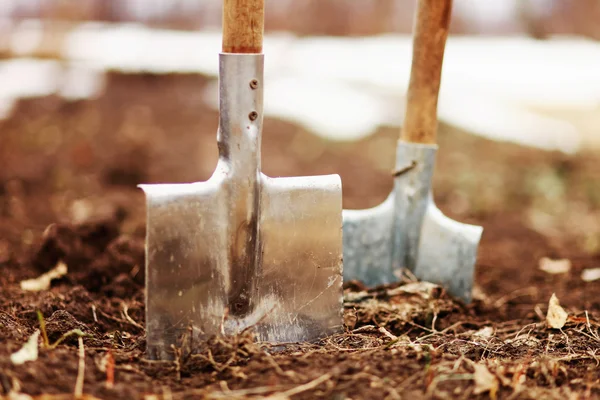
<point>407,230</point>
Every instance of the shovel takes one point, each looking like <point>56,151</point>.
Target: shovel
<point>242,250</point>
<point>407,230</point>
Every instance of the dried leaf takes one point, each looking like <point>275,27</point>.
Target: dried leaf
<point>590,274</point>
<point>485,381</point>
<point>42,282</point>
<point>556,316</point>
<point>29,351</point>
<point>555,266</point>
<point>485,332</point>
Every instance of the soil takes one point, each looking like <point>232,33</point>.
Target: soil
<point>68,175</point>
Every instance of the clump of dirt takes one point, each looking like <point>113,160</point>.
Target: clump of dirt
<point>97,255</point>
<point>60,323</point>
<point>11,328</point>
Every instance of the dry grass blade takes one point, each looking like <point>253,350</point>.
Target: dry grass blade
<point>42,322</point>
<point>232,394</point>
<point>78,392</point>
<point>128,318</point>
<point>302,388</point>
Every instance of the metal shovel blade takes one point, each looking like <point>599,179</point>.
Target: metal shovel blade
<point>408,231</point>
<point>243,250</point>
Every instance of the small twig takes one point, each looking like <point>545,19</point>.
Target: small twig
<point>539,313</point>
<point>365,328</point>
<point>442,332</point>
<point>593,354</point>
<point>408,274</point>
<point>94,313</point>
<point>307,386</point>
<point>177,361</point>
<point>589,326</point>
<point>215,365</point>
<point>573,357</point>
<point>106,315</point>
<point>78,392</point>
<point>435,315</point>
<point>128,318</point>
<point>72,332</point>
<point>588,335</point>
<point>231,394</point>
<point>538,325</point>
<point>387,333</point>
<point>421,327</point>
<point>528,291</point>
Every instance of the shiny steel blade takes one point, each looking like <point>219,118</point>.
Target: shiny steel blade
<point>242,249</point>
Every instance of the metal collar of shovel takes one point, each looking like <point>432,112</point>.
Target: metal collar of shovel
<point>242,250</point>
<point>407,230</point>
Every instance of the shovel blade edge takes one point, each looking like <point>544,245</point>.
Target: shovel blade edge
<point>448,253</point>
<point>184,285</point>
<point>368,236</point>
<point>301,239</point>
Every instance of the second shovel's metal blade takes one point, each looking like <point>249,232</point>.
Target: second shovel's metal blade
<point>368,239</point>
<point>447,253</point>
<point>408,231</point>
<point>294,287</point>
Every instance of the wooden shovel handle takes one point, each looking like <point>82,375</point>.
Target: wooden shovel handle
<point>430,32</point>
<point>243,26</point>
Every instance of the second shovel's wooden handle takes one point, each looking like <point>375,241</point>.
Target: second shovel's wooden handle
<point>430,32</point>
<point>243,26</point>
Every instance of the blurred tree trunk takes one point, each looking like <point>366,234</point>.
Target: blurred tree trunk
<point>105,10</point>
<point>583,17</point>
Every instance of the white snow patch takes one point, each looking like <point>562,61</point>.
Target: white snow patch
<point>24,78</point>
<point>332,109</point>
<point>342,88</point>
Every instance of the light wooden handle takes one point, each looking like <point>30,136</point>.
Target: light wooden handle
<point>430,32</point>
<point>243,26</point>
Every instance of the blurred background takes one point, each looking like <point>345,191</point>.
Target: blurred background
<point>97,96</point>
<point>361,17</point>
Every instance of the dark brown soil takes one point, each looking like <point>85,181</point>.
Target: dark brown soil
<point>68,172</point>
